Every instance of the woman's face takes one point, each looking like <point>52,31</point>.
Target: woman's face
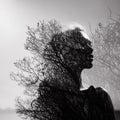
<point>74,49</point>
<point>81,57</point>
<point>86,55</point>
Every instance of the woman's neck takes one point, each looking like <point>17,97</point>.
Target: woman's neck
<point>79,79</point>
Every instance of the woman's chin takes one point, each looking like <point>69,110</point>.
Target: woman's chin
<point>88,65</point>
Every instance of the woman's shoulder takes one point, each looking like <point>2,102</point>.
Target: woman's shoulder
<point>103,97</point>
<point>98,94</point>
<point>98,90</point>
<point>103,94</point>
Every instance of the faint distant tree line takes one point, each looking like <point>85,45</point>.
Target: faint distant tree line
<point>107,47</point>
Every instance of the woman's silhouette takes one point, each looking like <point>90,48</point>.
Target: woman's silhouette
<point>75,53</point>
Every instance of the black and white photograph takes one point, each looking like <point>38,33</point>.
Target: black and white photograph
<point>59,59</point>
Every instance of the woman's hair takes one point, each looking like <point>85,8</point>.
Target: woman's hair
<point>70,44</point>
<point>74,26</point>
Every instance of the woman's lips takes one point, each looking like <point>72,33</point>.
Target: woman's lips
<point>90,57</point>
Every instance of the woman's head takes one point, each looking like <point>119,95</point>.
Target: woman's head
<point>74,48</point>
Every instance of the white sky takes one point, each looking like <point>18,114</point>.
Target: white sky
<point>16,14</point>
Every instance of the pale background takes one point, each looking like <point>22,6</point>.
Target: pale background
<point>15,15</point>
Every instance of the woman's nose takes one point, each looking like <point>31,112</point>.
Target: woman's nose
<point>89,50</point>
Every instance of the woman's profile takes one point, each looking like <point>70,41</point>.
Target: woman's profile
<point>75,54</point>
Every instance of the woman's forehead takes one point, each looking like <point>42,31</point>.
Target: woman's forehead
<point>73,25</point>
<point>85,35</point>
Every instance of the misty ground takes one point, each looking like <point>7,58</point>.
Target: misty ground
<point>13,116</point>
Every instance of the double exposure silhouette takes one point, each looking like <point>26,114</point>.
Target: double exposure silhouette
<point>60,97</point>
<point>59,93</point>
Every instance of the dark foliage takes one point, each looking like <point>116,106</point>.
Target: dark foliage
<point>51,76</point>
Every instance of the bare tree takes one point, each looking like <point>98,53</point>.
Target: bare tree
<point>33,70</point>
<point>107,45</point>
<point>107,51</point>
<point>50,76</point>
